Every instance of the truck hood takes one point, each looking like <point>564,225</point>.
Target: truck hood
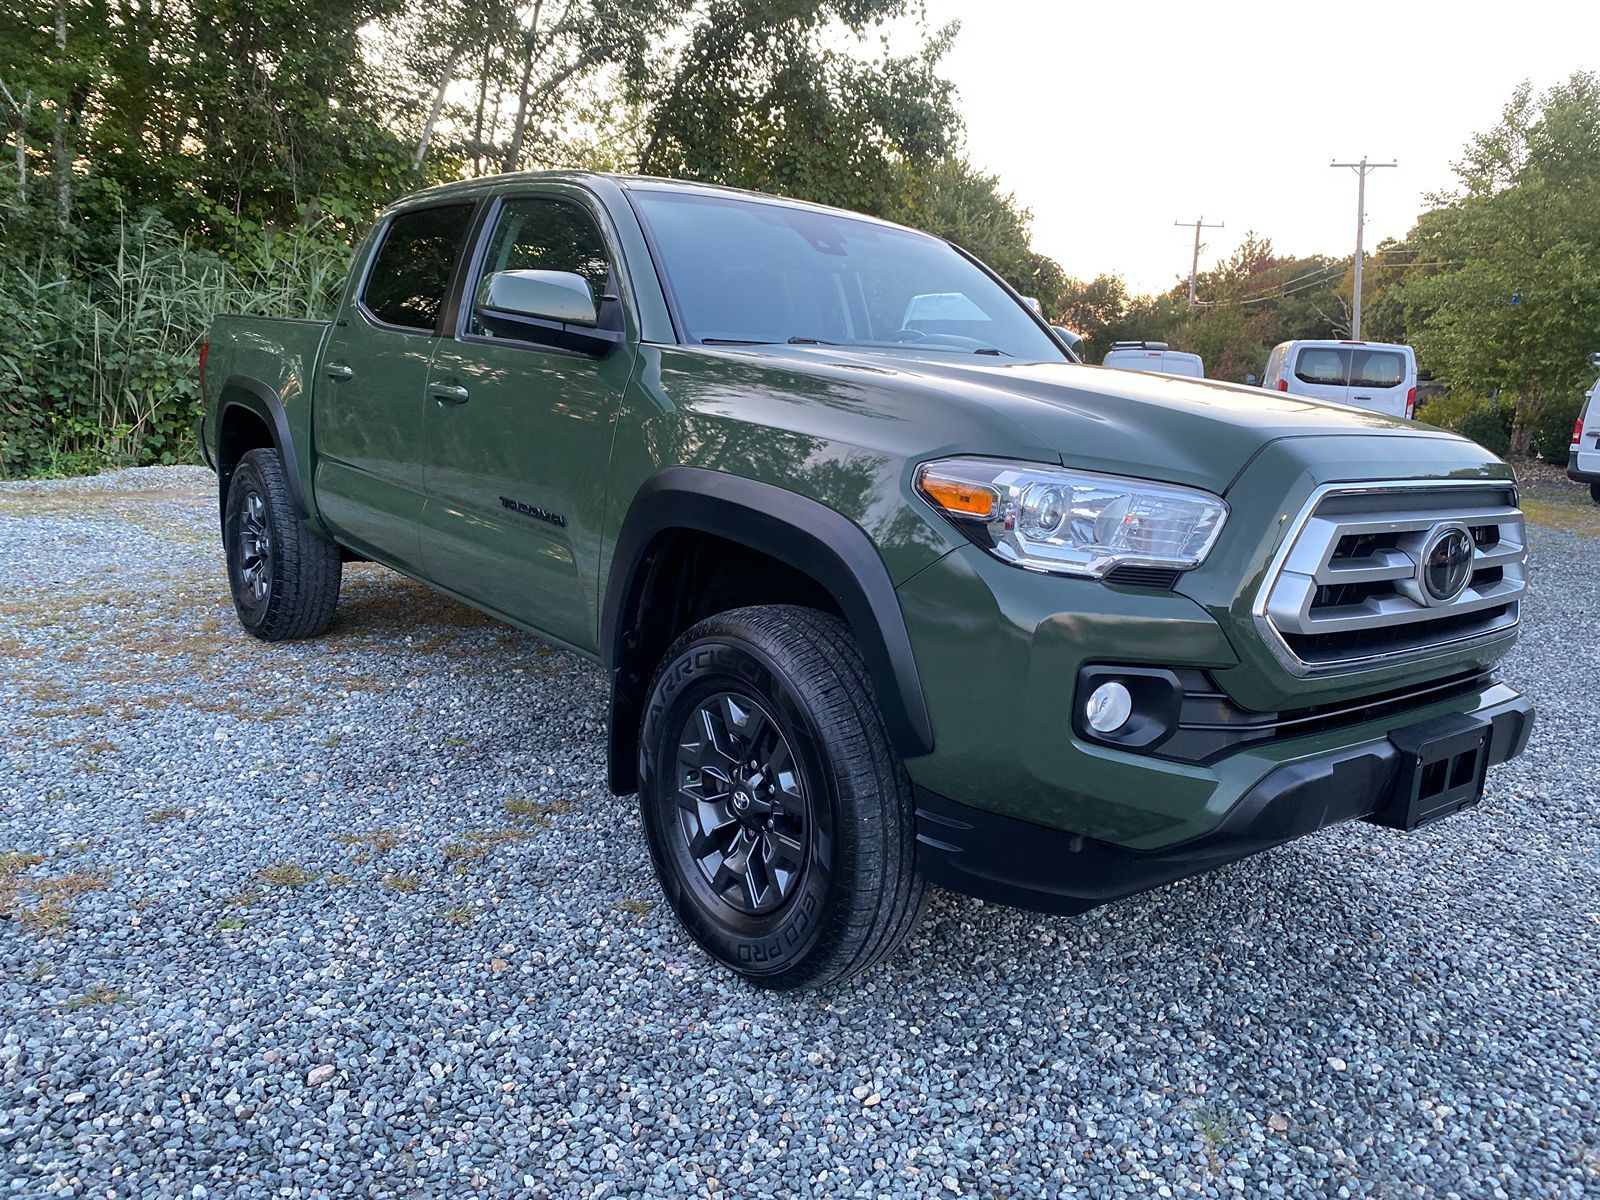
<point>1195,432</point>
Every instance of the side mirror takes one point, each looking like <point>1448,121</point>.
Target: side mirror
<point>1594,360</point>
<point>1424,376</point>
<point>1071,341</point>
<point>1251,379</point>
<point>549,308</point>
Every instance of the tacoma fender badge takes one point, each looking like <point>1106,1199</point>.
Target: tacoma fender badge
<point>534,511</point>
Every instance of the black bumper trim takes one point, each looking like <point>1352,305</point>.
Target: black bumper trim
<point>1018,863</point>
<point>1576,475</point>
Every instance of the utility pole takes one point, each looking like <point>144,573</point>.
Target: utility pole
<point>1194,263</point>
<point>1361,168</point>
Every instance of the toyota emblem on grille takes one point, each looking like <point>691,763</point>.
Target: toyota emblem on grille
<point>1446,563</point>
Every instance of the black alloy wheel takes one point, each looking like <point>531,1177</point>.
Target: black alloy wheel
<point>742,807</point>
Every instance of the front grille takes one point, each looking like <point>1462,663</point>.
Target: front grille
<point>1352,582</point>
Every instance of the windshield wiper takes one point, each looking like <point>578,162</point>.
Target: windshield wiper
<point>811,341</point>
<point>733,342</point>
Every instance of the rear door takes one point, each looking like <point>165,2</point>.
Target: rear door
<point>1380,378</point>
<point>1320,372</point>
<point>369,410</point>
<point>519,434</point>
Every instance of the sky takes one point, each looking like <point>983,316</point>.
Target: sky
<point>1111,121</point>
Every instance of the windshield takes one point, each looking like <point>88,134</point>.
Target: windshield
<point>748,271</point>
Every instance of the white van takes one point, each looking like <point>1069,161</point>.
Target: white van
<point>1376,375</point>
<point>1154,356</point>
<point>1583,458</point>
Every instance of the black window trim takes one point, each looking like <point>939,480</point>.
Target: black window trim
<point>358,298</point>
<point>460,308</point>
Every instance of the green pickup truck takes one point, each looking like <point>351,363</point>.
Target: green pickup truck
<point>889,589</point>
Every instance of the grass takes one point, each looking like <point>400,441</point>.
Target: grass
<point>378,841</point>
<point>1581,518</point>
<point>157,816</point>
<point>476,845</point>
<point>460,914</point>
<point>636,908</point>
<point>537,810</point>
<point>402,881</point>
<point>97,996</point>
<point>285,875</point>
<point>228,924</point>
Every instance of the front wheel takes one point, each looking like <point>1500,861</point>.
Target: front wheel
<point>779,819</point>
<point>284,578</point>
<point>1594,492</point>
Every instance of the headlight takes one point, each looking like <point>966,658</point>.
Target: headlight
<point>1072,522</point>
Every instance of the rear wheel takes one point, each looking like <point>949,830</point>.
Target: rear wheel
<point>284,578</point>
<point>1594,492</point>
<point>779,819</point>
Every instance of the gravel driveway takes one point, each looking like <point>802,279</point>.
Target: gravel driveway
<point>358,917</point>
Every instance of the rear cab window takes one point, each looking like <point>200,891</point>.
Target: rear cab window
<point>410,274</point>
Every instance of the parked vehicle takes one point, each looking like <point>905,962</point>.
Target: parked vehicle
<point>888,591</point>
<point>1376,375</point>
<point>1583,459</point>
<point>1155,357</point>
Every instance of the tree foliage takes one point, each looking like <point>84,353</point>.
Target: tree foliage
<point>1504,296</point>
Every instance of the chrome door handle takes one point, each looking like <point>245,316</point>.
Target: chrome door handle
<point>338,370</point>
<point>449,393</point>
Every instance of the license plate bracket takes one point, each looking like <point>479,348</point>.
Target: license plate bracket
<point>1443,763</point>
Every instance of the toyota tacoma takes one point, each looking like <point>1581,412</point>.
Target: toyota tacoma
<point>888,589</point>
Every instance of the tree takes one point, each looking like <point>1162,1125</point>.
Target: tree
<point>1514,305</point>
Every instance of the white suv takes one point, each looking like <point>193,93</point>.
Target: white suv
<point>1376,375</point>
<point>1583,458</point>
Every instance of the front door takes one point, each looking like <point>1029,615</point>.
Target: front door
<point>370,408</point>
<point>519,436</point>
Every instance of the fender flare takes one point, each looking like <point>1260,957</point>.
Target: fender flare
<point>808,535</point>
<point>242,391</point>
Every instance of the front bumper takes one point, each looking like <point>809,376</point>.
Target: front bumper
<point>1025,865</point>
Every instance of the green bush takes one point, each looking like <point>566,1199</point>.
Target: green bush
<point>1484,421</point>
<point>1552,428</point>
<point>98,367</point>
<point>1489,425</point>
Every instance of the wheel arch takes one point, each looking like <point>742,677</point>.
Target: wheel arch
<point>818,543</point>
<point>250,416</point>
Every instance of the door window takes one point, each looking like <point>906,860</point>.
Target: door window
<point>1323,365</point>
<point>408,280</point>
<point>537,233</point>
<point>1377,369</point>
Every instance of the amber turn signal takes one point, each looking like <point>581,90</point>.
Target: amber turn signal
<point>957,496</point>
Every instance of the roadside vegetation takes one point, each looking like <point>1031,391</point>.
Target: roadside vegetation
<point>166,163</point>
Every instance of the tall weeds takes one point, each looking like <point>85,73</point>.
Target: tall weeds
<point>99,350</point>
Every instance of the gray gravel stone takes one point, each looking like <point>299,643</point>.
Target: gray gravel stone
<point>357,917</point>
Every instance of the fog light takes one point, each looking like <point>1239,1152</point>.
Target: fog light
<point>1109,708</point>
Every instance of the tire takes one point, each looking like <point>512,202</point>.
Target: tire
<point>824,819</point>
<point>284,578</point>
<point>1594,492</point>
